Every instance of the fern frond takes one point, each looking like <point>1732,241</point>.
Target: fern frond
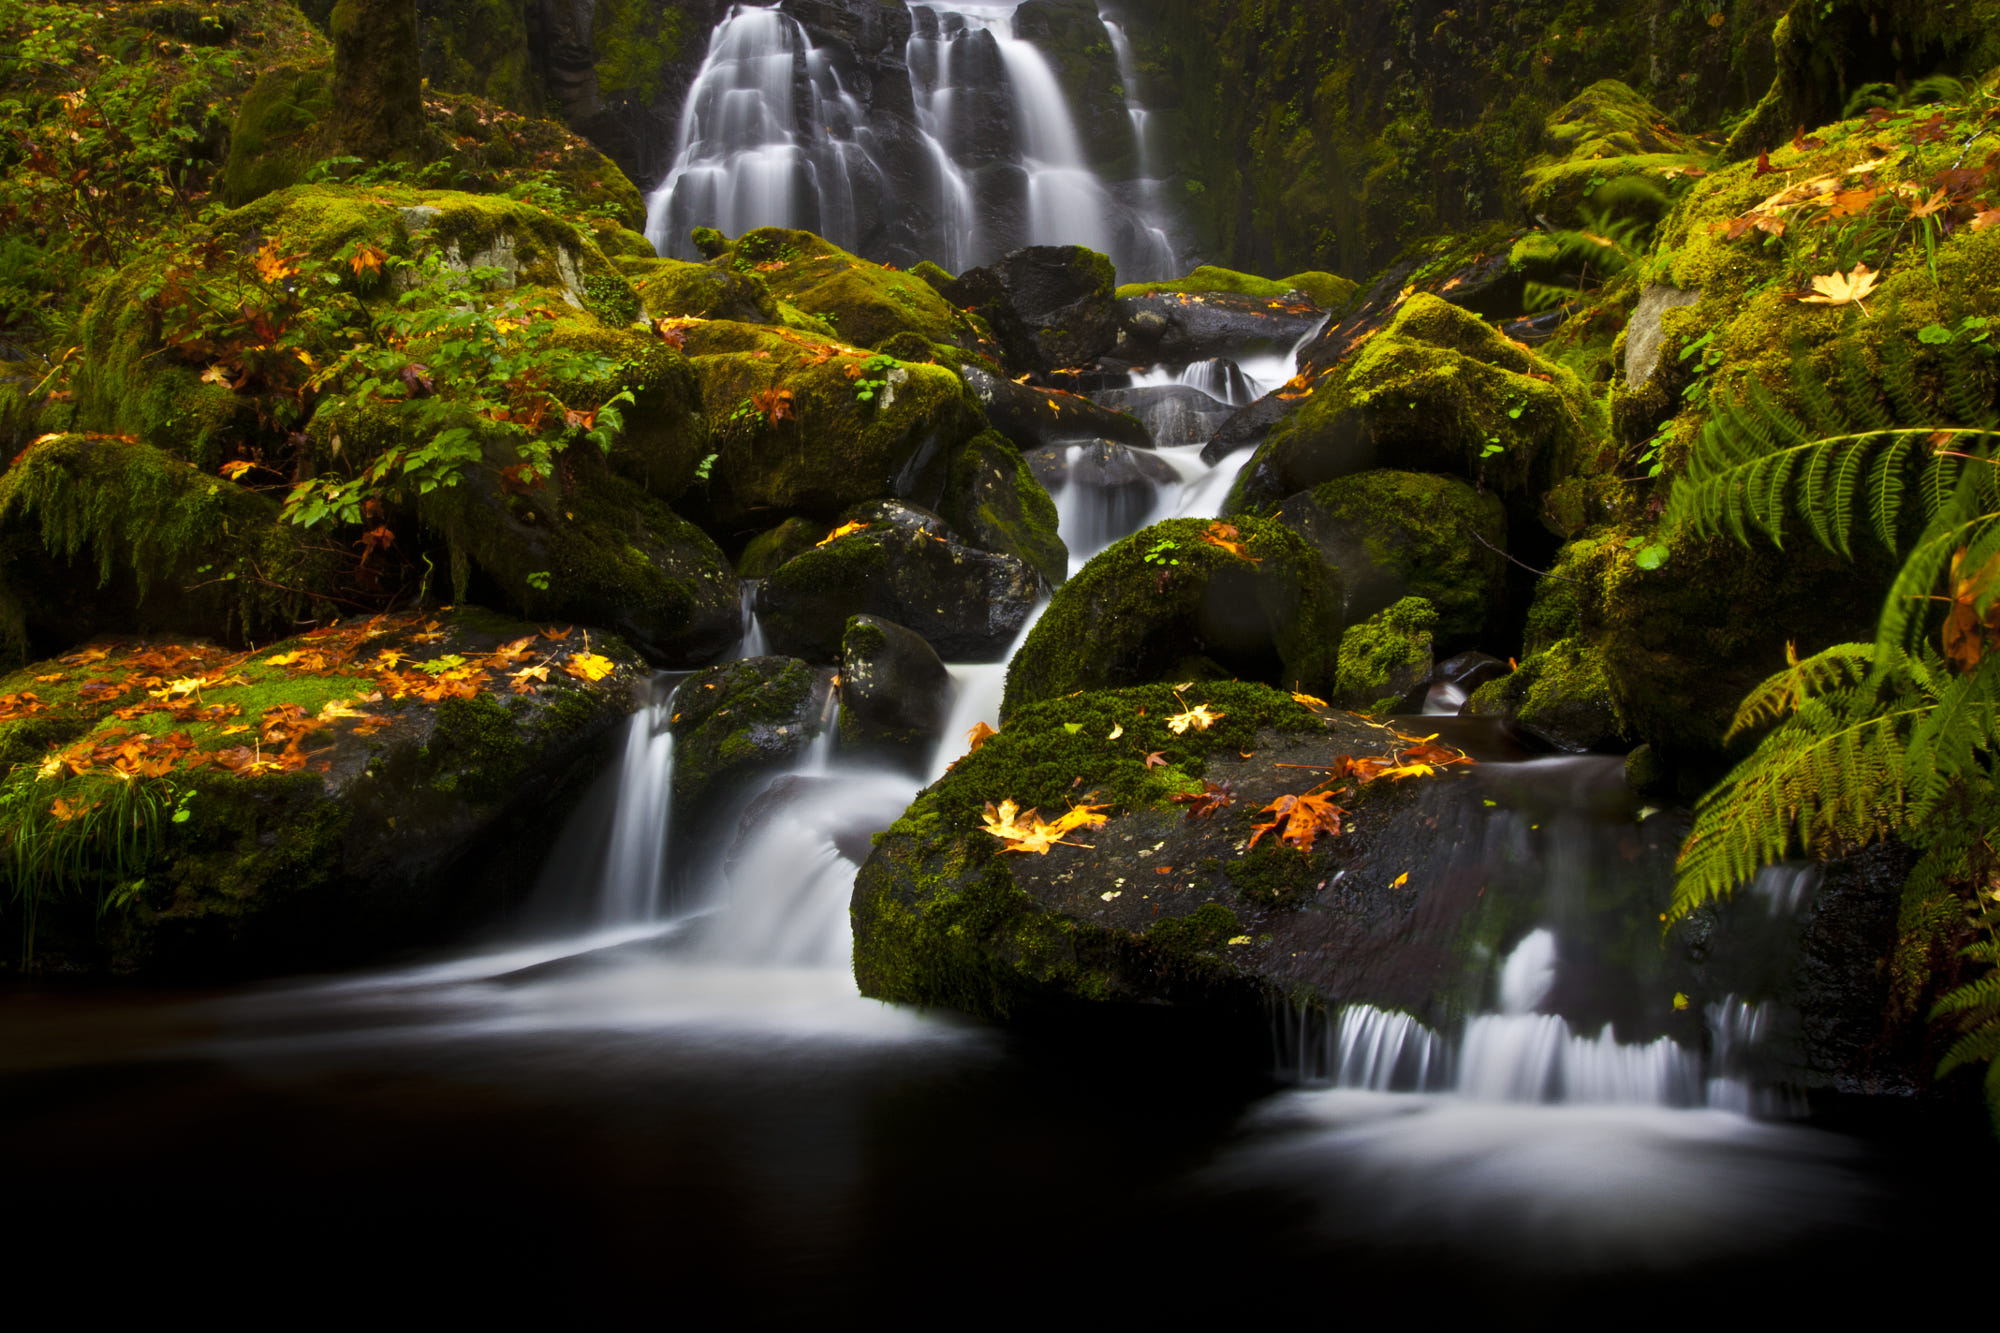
<point>1781,694</point>
<point>1982,1043</point>
<point>1974,996</point>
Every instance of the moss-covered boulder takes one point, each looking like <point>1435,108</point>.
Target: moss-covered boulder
<point>1050,306</point>
<point>1562,694</point>
<point>740,719</point>
<point>378,87</point>
<point>795,432</point>
<point>1187,599</point>
<point>1398,534</point>
<point>1606,133</point>
<point>590,546</point>
<point>769,549</point>
<point>1329,291</point>
<point>1436,390</point>
<point>101,532</point>
<point>341,795</point>
<point>1151,906</point>
<point>903,564</point>
<point>677,289</point>
<point>282,128</point>
<point>1385,660</point>
<point>993,500</point>
<point>895,693</point>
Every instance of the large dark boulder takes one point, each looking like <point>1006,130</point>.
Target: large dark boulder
<point>1032,417</point>
<point>1194,326</point>
<point>1173,414</point>
<point>738,720</point>
<point>904,565</point>
<point>994,499</point>
<point>895,693</point>
<point>1399,534</point>
<point>1169,603</point>
<point>1049,305</point>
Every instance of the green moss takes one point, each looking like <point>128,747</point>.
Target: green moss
<point>1605,133</point>
<point>1387,656</point>
<point>737,718</point>
<point>280,131</point>
<point>636,42</point>
<point>769,550</point>
<point>1329,291</point>
<point>1125,619</point>
<point>201,553</point>
<point>1279,876</point>
<point>1206,928</point>
<point>994,502</point>
<point>864,303</point>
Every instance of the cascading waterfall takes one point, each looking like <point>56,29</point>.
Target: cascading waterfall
<point>634,876</point>
<point>768,137</point>
<point>1159,259</point>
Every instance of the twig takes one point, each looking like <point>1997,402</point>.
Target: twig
<point>1522,563</point>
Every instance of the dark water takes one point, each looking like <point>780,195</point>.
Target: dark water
<point>631,1131</point>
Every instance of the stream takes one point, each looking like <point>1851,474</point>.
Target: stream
<point>661,1090</point>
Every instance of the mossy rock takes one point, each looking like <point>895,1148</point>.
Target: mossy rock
<point>677,289</point>
<point>765,552</point>
<point>1153,907</point>
<point>590,546</point>
<point>281,130</point>
<point>994,502</point>
<point>1436,390</point>
<point>1166,604</point>
<point>895,693</point>
<point>1329,291</point>
<point>1605,133</point>
<point>904,565</point>
<point>1385,661</point>
<point>1397,534</point>
<point>406,819</point>
<point>136,539</point>
<point>734,721</point>
<point>864,303</point>
<point>1563,694</point>
<point>829,448</point>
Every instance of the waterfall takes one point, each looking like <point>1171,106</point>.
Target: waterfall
<point>635,856</point>
<point>753,644</point>
<point>1158,259</point>
<point>768,137</point>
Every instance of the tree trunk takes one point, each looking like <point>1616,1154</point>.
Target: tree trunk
<point>377,82</point>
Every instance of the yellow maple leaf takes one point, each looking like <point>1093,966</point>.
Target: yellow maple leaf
<point>1308,700</point>
<point>979,735</point>
<point>338,709</point>
<point>285,659</point>
<point>843,530</point>
<point>1842,288</point>
<point>1199,717</point>
<point>589,666</point>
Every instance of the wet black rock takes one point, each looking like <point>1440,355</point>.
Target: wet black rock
<point>905,565</point>
<point>1173,414</point>
<point>740,719</point>
<point>895,693</point>
<point>1181,327</point>
<point>1049,305</point>
<point>1033,417</point>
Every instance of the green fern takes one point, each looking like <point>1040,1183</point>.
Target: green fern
<point>1865,742</point>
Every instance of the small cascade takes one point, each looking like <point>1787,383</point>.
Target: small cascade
<point>631,886</point>
<point>1100,499</point>
<point>753,644</point>
<point>768,137</point>
<point>1158,259</point>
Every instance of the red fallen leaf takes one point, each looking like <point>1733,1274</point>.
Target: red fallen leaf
<point>1764,167</point>
<point>376,539</point>
<point>1300,820</point>
<point>671,336</point>
<point>1934,130</point>
<point>1157,759</point>
<point>417,379</point>
<point>1203,804</point>
<point>1803,144</point>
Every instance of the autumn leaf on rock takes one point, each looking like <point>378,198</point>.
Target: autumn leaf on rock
<point>1021,831</point>
<point>1842,288</point>
<point>978,736</point>
<point>1226,536</point>
<point>1212,797</point>
<point>1308,700</point>
<point>844,530</point>
<point>1299,820</point>
<point>589,666</point>
<point>1200,717</point>
<point>1157,759</point>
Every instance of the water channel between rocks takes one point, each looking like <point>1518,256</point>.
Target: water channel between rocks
<point>671,1075</point>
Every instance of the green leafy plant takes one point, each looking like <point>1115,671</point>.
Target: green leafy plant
<point>1165,551</point>
<point>90,840</point>
<point>873,377</point>
<point>1866,741</point>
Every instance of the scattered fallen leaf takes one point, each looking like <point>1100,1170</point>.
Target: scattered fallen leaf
<point>1299,820</point>
<point>978,736</point>
<point>1400,880</point>
<point>1842,288</point>
<point>1200,717</point>
<point>1212,797</point>
<point>1226,536</point>
<point>589,666</point>
<point>1117,730</point>
<point>1157,759</point>
<point>845,529</point>
<point>1308,700</point>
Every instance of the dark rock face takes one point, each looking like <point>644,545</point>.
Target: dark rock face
<point>997,502</point>
<point>377,85</point>
<point>894,691</point>
<point>1398,534</point>
<point>1032,418</point>
<point>906,566</point>
<point>1182,326</point>
<point>1049,305</point>
<point>734,721</point>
